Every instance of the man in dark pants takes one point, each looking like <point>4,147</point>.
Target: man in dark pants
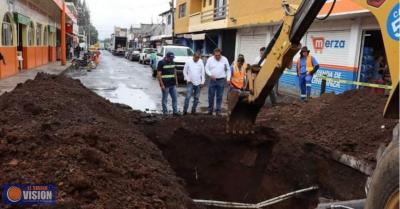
<point>307,66</point>
<point>166,75</point>
<point>217,68</point>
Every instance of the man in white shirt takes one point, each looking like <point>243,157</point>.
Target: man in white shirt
<point>218,69</point>
<point>194,75</point>
<point>258,58</point>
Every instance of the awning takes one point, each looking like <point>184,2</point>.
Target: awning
<point>160,37</point>
<point>22,19</point>
<point>68,12</point>
<point>198,37</point>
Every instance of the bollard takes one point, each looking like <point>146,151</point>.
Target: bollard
<point>323,84</point>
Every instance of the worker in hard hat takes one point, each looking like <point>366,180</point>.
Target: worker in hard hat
<point>307,66</point>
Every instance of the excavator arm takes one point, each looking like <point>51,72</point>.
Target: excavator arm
<point>244,108</point>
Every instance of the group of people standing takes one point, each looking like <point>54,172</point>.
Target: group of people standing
<point>221,74</point>
<point>218,70</point>
<point>74,51</point>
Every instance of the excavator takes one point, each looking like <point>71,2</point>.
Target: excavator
<point>383,189</point>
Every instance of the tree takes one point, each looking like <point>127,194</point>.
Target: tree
<point>84,21</point>
<point>94,35</point>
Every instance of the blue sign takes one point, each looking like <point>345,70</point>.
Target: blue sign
<point>29,194</point>
<point>340,44</point>
<point>393,23</point>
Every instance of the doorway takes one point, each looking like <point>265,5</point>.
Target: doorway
<point>372,48</point>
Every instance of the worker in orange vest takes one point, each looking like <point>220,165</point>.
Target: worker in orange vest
<point>238,74</point>
<point>307,65</point>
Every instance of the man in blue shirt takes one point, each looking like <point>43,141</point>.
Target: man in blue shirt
<point>307,65</point>
<point>166,75</point>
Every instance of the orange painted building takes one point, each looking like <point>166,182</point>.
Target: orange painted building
<point>31,31</point>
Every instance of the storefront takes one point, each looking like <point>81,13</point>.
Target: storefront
<point>342,46</point>
<point>29,33</point>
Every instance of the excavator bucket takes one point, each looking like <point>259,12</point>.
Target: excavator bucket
<point>242,115</point>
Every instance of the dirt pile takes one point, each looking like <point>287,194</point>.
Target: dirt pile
<point>351,122</point>
<point>291,150</point>
<point>54,130</point>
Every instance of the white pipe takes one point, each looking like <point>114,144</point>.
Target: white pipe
<point>272,201</point>
<point>351,204</point>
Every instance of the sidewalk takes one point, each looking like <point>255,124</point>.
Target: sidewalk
<point>8,84</point>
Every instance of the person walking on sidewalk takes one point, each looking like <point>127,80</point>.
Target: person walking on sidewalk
<point>307,65</point>
<point>166,75</point>
<point>71,52</point>
<point>217,68</point>
<point>194,75</point>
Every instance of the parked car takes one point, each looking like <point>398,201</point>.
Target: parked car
<point>135,55</point>
<point>182,54</point>
<point>128,53</point>
<point>144,57</point>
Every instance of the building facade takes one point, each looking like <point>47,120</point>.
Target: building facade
<point>33,33</point>
<point>208,24</point>
<point>345,45</point>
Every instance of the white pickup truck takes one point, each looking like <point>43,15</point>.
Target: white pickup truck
<point>182,54</point>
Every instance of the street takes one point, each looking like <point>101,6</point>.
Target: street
<point>122,81</point>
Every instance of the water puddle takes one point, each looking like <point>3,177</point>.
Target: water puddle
<point>128,95</point>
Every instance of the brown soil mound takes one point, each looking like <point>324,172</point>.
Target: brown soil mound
<point>54,130</point>
<point>351,122</point>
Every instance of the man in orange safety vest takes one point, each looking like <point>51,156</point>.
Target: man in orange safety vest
<point>238,74</point>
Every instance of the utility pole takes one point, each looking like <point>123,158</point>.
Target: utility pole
<point>172,10</point>
<point>89,35</point>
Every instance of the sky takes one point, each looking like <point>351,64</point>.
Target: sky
<point>105,14</point>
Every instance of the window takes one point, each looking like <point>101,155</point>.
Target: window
<point>169,20</point>
<point>204,3</point>
<point>220,9</point>
<point>210,2</point>
<point>6,32</point>
<point>38,35</point>
<point>186,52</point>
<point>31,38</point>
<point>182,10</point>
<point>45,36</point>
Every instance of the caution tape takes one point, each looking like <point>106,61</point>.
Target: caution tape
<point>373,85</point>
<point>269,202</point>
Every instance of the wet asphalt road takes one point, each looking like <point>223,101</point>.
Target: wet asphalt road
<point>122,81</point>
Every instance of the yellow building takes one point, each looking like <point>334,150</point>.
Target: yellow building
<point>218,23</point>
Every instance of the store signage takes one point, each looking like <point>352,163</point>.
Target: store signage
<point>22,19</point>
<point>320,43</point>
<point>393,23</point>
<point>52,29</point>
<point>69,28</point>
